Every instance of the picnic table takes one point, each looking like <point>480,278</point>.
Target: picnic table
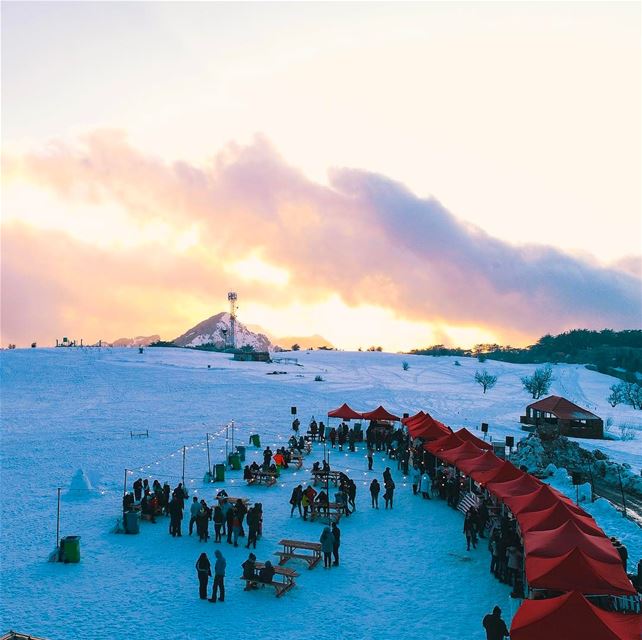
<point>326,476</point>
<point>297,460</point>
<point>282,581</point>
<point>332,510</point>
<point>293,549</point>
<point>232,500</point>
<point>267,477</point>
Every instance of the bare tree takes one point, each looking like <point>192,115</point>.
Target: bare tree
<point>485,379</point>
<point>540,382</point>
<point>626,393</point>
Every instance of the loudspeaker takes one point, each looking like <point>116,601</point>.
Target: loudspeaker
<point>484,427</point>
<point>293,410</point>
<point>510,441</point>
<point>577,477</point>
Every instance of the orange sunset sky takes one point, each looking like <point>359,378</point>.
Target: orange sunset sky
<point>390,174</point>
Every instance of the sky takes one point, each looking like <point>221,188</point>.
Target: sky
<point>395,174</point>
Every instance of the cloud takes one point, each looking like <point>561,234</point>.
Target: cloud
<point>365,237</point>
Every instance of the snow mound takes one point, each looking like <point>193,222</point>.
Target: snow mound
<point>80,486</point>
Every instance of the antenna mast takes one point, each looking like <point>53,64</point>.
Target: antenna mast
<point>232,297</point>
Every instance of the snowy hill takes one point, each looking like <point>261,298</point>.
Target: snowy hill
<point>216,330</point>
<point>70,409</point>
<point>138,341</point>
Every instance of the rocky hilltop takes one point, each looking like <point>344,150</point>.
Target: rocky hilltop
<point>216,331</point>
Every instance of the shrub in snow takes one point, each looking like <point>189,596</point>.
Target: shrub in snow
<point>318,378</point>
<point>405,365</point>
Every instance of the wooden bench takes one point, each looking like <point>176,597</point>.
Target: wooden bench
<point>326,476</point>
<point>333,511</point>
<point>296,460</point>
<point>282,585</point>
<point>263,477</point>
<point>231,500</point>
<point>290,548</point>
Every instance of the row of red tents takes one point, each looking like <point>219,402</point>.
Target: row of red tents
<point>347,413</point>
<point>565,549</point>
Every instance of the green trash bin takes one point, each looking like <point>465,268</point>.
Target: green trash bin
<point>220,472</point>
<point>241,451</point>
<point>235,461</point>
<point>255,439</point>
<point>70,546</point>
<point>132,522</point>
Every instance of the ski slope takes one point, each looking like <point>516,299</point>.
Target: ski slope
<point>70,409</point>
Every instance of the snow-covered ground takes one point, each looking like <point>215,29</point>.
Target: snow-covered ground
<point>403,572</point>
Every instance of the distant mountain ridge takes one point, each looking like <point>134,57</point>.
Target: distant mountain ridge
<point>138,341</point>
<point>305,342</point>
<point>216,331</point>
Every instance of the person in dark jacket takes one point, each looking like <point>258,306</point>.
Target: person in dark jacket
<point>253,525</point>
<point>128,501</point>
<point>375,488</point>
<point>204,571</point>
<point>336,532</point>
<point>230,516</point>
<point>494,625</point>
<point>389,493</point>
<point>249,572</point>
<point>266,573</point>
<point>295,499</point>
<point>387,476</point>
<point>138,489</point>
<point>218,522</point>
<point>370,459</point>
<point>166,494</point>
<point>219,577</point>
<point>175,517</point>
<point>470,529</point>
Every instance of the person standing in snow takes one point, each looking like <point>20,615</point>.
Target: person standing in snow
<point>218,522</point>
<point>219,577</point>
<point>253,526</point>
<point>204,571</point>
<point>138,489</point>
<point>194,510</point>
<point>389,493</point>
<point>327,546</point>
<point>425,486</point>
<point>370,459</point>
<point>336,532</point>
<point>495,626</point>
<point>387,476</point>
<point>470,530</point>
<point>295,499</point>
<point>175,517</point>
<point>375,488</point>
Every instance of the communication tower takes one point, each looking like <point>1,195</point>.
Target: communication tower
<point>232,297</point>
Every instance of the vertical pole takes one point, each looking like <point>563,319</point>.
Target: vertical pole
<point>125,484</point>
<point>232,436</point>
<point>619,475</point>
<point>209,465</point>
<point>227,435</point>
<point>58,522</point>
<point>183,466</point>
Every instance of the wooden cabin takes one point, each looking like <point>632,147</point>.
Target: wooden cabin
<point>558,416</point>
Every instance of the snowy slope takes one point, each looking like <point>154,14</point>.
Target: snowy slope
<point>216,330</point>
<point>70,409</point>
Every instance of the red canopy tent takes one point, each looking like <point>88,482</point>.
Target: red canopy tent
<point>464,434</point>
<point>487,461</point>
<point>542,498</point>
<point>576,570</point>
<point>345,413</point>
<point>379,414</point>
<point>507,471</point>
<point>463,451</point>
<point>572,617</point>
<point>441,444</point>
<point>555,516</point>
<point>428,429</point>
<point>416,418</point>
<point>520,486</point>
<point>553,543</point>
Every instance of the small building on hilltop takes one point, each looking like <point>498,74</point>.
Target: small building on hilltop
<point>558,416</point>
<point>252,356</point>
